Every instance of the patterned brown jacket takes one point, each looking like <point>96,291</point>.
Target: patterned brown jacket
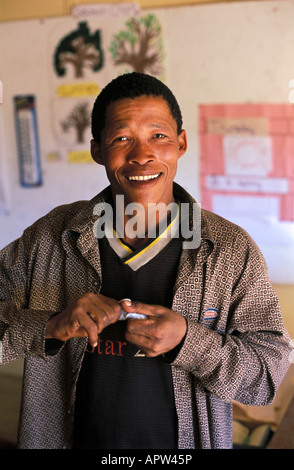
<point>236,347</point>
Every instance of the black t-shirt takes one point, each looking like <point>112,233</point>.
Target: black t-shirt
<point>124,399</point>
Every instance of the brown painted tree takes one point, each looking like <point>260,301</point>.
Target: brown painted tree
<point>139,46</point>
<point>79,119</point>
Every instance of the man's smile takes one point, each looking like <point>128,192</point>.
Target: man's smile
<point>142,177</point>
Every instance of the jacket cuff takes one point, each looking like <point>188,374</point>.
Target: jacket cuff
<point>195,353</point>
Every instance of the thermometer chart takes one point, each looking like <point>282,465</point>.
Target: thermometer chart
<point>27,141</point>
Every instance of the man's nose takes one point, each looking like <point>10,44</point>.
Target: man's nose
<point>141,153</point>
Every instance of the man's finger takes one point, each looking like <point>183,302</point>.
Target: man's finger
<point>134,306</point>
<point>129,311</point>
<point>102,310</point>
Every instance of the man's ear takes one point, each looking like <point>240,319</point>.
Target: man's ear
<point>95,152</point>
<point>182,139</point>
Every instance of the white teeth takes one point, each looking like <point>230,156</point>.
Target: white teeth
<point>143,178</point>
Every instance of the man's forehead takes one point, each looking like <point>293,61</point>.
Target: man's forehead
<point>142,101</point>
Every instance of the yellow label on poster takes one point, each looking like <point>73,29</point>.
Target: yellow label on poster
<point>79,156</point>
<point>77,90</point>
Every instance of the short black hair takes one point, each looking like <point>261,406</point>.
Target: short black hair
<point>131,85</point>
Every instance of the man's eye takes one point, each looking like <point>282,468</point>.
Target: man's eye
<point>159,136</point>
<point>121,138</point>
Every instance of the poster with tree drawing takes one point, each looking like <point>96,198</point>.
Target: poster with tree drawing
<point>84,59</point>
<point>79,120</point>
<point>139,46</point>
<point>77,58</point>
<point>80,50</point>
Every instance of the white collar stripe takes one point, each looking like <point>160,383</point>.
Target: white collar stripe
<point>137,258</point>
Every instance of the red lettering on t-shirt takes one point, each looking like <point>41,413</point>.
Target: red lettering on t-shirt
<point>109,347</point>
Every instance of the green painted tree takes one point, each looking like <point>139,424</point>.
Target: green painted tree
<point>139,46</point>
<point>81,50</point>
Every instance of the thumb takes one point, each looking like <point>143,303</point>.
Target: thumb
<point>132,309</point>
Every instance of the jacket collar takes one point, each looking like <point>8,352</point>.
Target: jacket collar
<point>84,220</point>
<point>183,196</point>
<point>86,217</point>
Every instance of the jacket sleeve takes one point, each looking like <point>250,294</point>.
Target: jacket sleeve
<point>247,360</point>
<point>21,328</point>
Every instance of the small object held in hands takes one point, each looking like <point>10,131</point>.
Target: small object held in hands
<point>126,315</point>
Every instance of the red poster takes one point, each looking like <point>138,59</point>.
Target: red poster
<point>247,159</point>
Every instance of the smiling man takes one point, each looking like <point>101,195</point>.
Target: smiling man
<point>140,147</point>
<point>203,326</point>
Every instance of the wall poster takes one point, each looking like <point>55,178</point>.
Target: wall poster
<point>85,57</point>
<point>247,165</point>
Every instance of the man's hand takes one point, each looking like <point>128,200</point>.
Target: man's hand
<point>162,331</point>
<point>88,316</point>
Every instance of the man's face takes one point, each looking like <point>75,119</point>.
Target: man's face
<point>140,149</point>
